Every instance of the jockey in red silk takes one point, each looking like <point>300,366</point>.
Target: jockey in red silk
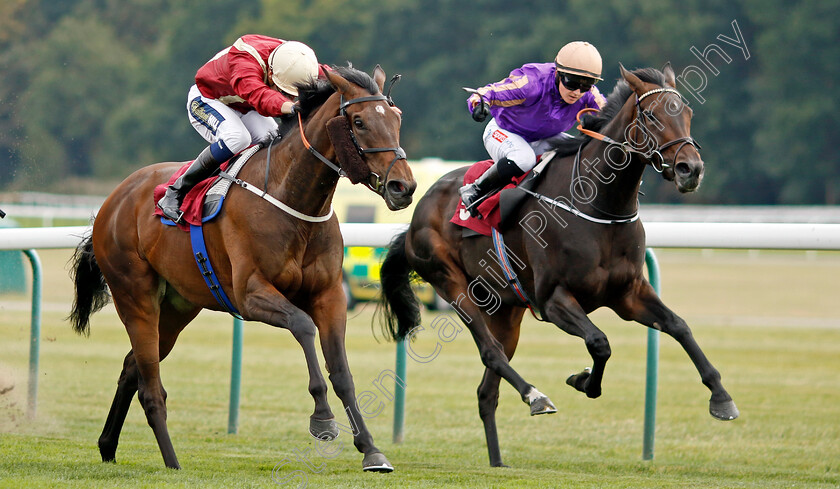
<point>531,109</point>
<point>234,101</point>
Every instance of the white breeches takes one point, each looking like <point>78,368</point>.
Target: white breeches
<point>501,143</point>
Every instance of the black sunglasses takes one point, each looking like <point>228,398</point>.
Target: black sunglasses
<point>573,82</point>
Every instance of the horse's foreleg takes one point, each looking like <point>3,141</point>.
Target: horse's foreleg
<point>329,311</point>
<point>126,388</point>
<point>647,308</point>
<point>265,304</point>
<point>565,312</point>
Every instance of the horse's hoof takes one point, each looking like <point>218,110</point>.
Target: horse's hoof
<point>500,464</point>
<point>376,462</point>
<point>578,381</point>
<point>542,405</point>
<point>323,429</point>
<point>724,411</point>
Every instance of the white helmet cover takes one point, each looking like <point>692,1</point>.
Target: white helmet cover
<point>579,58</point>
<point>292,62</point>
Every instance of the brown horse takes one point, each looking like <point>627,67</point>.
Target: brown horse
<point>278,269</point>
<point>579,242</point>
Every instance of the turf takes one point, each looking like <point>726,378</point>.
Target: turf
<point>767,321</point>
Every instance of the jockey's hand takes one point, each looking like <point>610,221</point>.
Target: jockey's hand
<point>289,108</point>
<point>480,112</point>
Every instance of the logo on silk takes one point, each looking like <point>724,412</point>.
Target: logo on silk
<point>499,136</point>
<point>198,111</point>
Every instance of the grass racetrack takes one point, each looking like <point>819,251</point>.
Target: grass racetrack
<point>768,321</point>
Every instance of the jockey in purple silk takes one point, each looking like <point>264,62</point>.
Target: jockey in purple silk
<point>531,109</point>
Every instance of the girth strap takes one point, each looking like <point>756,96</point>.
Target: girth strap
<point>507,270</point>
<point>206,269</point>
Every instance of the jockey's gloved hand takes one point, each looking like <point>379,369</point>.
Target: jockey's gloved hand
<point>585,119</point>
<point>480,112</point>
<point>289,108</point>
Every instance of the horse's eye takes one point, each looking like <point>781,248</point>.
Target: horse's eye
<point>358,123</point>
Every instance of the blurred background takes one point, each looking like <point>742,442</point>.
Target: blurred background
<point>91,90</point>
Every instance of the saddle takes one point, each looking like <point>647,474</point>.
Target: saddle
<point>204,201</point>
<point>498,208</point>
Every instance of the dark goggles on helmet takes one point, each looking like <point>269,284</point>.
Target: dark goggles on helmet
<point>574,82</point>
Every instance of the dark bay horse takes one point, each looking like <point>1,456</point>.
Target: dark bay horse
<point>276,268</point>
<point>579,241</point>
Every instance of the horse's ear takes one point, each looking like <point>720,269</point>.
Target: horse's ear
<point>379,77</point>
<point>341,85</point>
<point>635,83</point>
<point>669,75</point>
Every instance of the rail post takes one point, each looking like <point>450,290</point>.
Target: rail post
<point>34,334</point>
<point>652,376</point>
<point>235,377</point>
<point>399,393</point>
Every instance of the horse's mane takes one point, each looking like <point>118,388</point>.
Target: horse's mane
<point>313,94</point>
<point>615,101</point>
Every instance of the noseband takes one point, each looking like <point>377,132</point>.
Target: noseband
<point>374,181</point>
<point>641,122</point>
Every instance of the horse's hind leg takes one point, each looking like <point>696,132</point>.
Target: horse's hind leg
<point>507,332</point>
<point>171,325</point>
<point>136,298</point>
<point>126,388</point>
<point>646,308</point>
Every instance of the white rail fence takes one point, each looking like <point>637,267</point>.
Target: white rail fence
<point>783,236</point>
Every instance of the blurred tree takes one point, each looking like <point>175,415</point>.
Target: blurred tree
<point>82,71</point>
<point>97,87</point>
<point>796,114</point>
<point>151,125</point>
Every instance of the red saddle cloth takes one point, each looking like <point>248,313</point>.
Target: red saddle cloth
<point>489,208</point>
<point>193,201</point>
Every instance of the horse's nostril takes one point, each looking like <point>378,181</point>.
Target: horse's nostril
<point>401,188</point>
<point>682,169</point>
<point>396,187</point>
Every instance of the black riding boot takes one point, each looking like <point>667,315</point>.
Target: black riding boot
<point>203,166</point>
<point>496,177</point>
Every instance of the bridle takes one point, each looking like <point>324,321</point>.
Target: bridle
<point>375,182</point>
<point>640,122</point>
<point>642,118</point>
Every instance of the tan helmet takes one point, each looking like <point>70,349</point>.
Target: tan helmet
<point>292,62</point>
<point>579,58</point>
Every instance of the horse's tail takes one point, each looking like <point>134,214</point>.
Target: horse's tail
<point>398,309</point>
<point>91,288</point>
